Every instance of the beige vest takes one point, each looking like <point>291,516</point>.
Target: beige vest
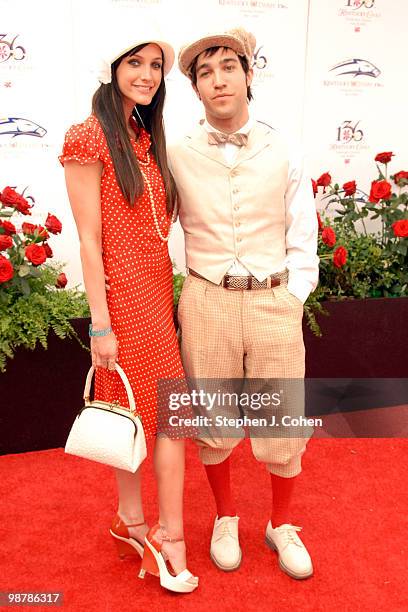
<point>233,211</point>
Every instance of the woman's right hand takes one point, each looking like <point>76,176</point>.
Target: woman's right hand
<point>104,350</point>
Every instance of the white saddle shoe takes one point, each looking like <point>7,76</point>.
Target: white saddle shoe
<point>294,559</point>
<point>225,550</point>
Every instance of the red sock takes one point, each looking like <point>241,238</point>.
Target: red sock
<point>281,495</point>
<point>219,478</point>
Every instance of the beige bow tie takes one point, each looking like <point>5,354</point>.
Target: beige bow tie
<point>238,139</point>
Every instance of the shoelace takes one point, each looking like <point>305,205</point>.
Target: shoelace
<point>290,535</point>
<point>225,532</point>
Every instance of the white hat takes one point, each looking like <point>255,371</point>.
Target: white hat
<point>115,47</point>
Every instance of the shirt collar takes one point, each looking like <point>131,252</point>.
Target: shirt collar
<point>244,130</point>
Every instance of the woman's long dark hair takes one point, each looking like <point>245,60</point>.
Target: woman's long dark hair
<point>107,106</point>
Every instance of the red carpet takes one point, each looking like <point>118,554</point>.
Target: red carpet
<point>351,500</point>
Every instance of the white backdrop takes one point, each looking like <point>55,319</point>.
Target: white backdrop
<point>322,75</point>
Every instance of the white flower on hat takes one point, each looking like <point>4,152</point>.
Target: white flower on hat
<point>103,72</point>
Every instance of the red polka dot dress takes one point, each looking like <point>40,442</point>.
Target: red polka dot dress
<point>136,259</point>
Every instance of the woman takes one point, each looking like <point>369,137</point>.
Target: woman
<point>122,197</point>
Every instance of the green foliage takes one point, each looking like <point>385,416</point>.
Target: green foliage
<point>310,309</point>
<point>26,318</point>
<point>377,263</point>
<point>33,298</point>
<point>370,269</point>
<point>178,280</point>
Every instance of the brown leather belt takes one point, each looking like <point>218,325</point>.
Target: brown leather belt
<point>239,283</point>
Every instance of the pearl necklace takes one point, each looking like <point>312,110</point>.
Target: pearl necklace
<point>151,198</point>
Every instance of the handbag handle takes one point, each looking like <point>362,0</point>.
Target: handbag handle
<point>124,378</point>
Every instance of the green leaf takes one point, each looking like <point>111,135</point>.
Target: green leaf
<point>24,270</point>
<point>31,307</point>
<point>401,246</point>
<point>35,272</point>
<point>25,287</point>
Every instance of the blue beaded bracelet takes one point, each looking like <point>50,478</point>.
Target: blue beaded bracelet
<point>99,332</point>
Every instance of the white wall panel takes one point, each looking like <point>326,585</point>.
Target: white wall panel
<point>50,83</point>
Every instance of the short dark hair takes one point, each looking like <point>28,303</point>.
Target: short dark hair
<point>209,53</point>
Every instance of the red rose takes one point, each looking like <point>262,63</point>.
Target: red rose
<point>48,250</point>
<point>320,222</point>
<point>53,224</point>
<point>8,227</point>
<point>384,158</point>
<point>350,188</point>
<point>36,254</point>
<point>380,190</point>
<point>5,242</point>
<point>324,181</point>
<point>61,281</point>
<point>401,176</point>
<point>314,185</point>
<point>28,228</point>
<point>10,197</point>
<point>340,257</point>
<point>42,232</point>
<point>401,228</point>
<point>329,236</point>
<point>6,269</point>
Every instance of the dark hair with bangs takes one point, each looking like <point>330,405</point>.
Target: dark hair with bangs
<point>209,53</point>
<point>108,108</point>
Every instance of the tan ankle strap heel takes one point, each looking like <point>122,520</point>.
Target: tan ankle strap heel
<point>126,544</point>
<point>155,562</point>
<point>167,538</point>
<point>135,524</point>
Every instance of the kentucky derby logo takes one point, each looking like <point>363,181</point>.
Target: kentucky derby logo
<point>259,61</point>
<point>357,4</point>
<point>9,50</point>
<point>356,68</point>
<point>263,70</point>
<point>17,126</point>
<point>359,13</point>
<point>350,141</point>
<point>353,77</point>
<point>348,132</point>
<point>253,7</point>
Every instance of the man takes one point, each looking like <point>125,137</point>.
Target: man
<point>250,227</point>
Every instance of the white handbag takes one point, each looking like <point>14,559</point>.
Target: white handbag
<point>108,433</point>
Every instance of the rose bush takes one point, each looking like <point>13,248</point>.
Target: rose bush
<point>31,300</point>
<point>356,263</point>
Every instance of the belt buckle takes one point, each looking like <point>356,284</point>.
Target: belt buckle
<point>228,279</point>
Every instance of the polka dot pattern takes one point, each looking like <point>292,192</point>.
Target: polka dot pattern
<point>140,299</point>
